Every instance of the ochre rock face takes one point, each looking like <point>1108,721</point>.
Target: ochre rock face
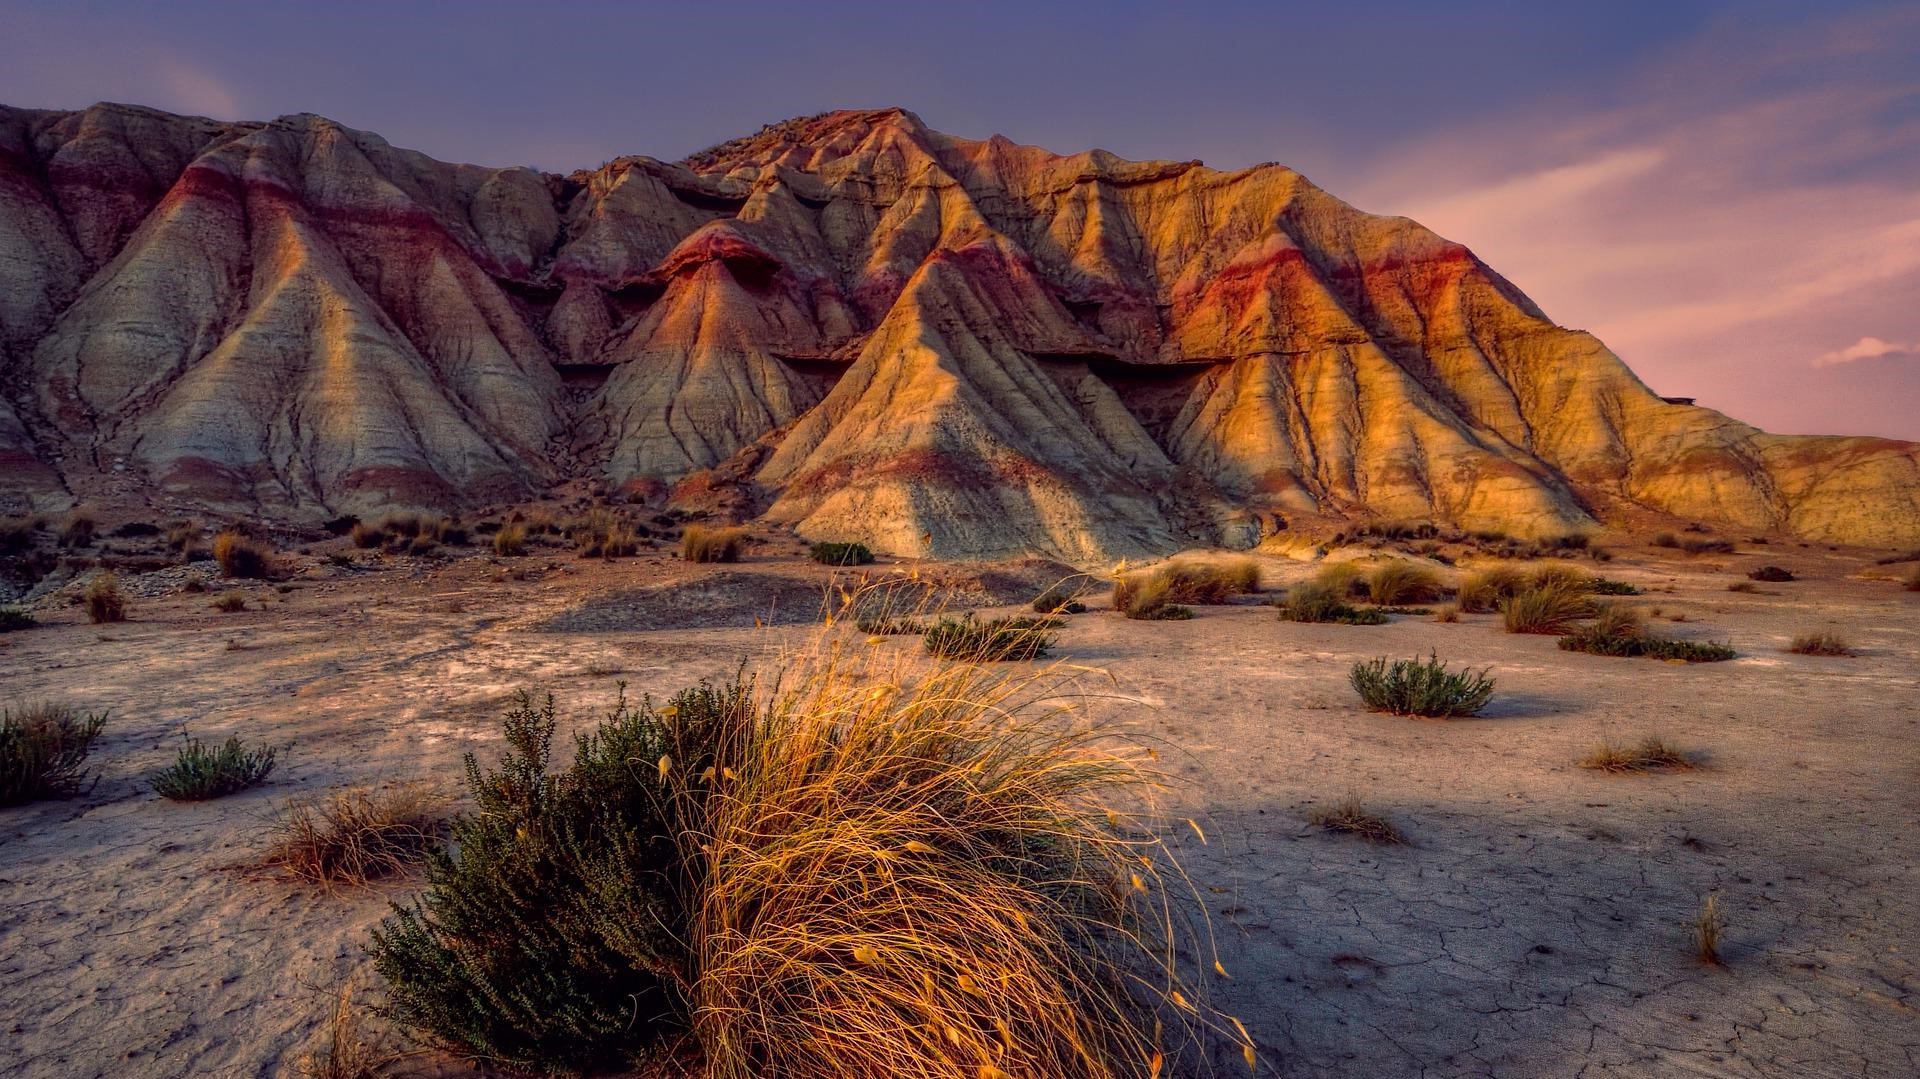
<point>846,323</point>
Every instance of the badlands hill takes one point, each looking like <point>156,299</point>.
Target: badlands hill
<point>848,323</point>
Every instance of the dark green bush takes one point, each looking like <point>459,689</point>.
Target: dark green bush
<point>1420,687</point>
<point>16,618</point>
<point>1604,587</point>
<point>1318,603</point>
<point>199,773</point>
<point>840,554</point>
<point>1771,575</point>
<point>554,933</point>
<point>986,642</point>
<point>43,752</point>
<point>1060,599</point>
<point>1617,631</point>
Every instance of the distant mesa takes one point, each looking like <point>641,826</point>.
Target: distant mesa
<point>847,323</point>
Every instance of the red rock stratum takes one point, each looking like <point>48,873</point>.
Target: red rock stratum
<point>848,323</point>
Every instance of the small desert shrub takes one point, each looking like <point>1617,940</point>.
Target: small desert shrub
<point>1416,687</point>
<point>985,642</point>
<point>604,534</point>
<point>199,773</point>
<point>43,751</point>
<point>511,540</point>
<point>840,554</point>
<point>356,835</point>
<point>1449,613</point>
<point>1572,541</point>
<point>1350,817</point>
<point>1602,586</point>
<point>193,582</point>
<point>1484,590</point>
<point>1707,546</point>
<point>1744,586</point>
<point>366,536</point>
<point>78,531</point>
<point>422,544</point>
<point>135,530</point>
<point>16,618</point>
<point>1650,754</point>
<point>230,602</point>
<point>1060,599</point>
<point>1396,583</point>
<point>106,601</point>
<point>1619,631</point>
<point>1708,925</point>
<point>240,556</point>
<point>1771,575</point>
<point>702,544</point>
<point>1315,602</point>
<point>340,526</point>
<point>1545,609</point>
<point>1824,643</point>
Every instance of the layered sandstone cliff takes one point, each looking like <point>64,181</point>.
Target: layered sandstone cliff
<point>849,323</point>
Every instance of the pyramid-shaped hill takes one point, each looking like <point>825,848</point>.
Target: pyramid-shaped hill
<point>862,328</point>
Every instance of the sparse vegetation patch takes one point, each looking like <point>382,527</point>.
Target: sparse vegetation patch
<point>1823,643</point>
<point>356,836</point>
<point>199,773</point>
<point>1649,754</point>
<point>1350,817</point>
<point>1314,602</point>
<point>1420,687</point>
<point>985,642</point>
<point>840,554</point>
<point>702,544</point>
<point>43,751</point>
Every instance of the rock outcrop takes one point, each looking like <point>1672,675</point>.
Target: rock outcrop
<point>850,323</point>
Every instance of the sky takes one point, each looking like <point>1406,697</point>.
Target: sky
<point>1726,193</point>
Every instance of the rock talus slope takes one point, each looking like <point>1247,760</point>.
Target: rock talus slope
<point>848,323</point>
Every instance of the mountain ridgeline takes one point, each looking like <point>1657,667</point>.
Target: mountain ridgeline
<point>848,324</point>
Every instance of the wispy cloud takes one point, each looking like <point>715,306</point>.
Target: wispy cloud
<point>1742,206</point>
<point>1867,348</point>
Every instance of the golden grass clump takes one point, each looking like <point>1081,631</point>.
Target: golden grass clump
<point>702,544</point>
<point>1650,754</point>
<point>1823,643</point>
<point>106,601</point>
<point>1485,589</point>
<point>1161,592</point>
<point>1546,608</point>
<point>1350,817</point>
<point>1345,580</point>
<point>933,876</point>
<point>1398,582</point>
<point>240,556</point>
<point>1449,613</point>
<point>356,836</point>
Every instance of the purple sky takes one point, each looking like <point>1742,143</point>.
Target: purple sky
<point>1727,193</point>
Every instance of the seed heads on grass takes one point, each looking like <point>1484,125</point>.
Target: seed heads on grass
<point>1350,817</point>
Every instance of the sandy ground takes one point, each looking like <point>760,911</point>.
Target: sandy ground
<point>1537,925</point>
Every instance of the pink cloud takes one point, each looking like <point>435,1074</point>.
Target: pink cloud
<point>1714,229</point>
<point>1867,348</point>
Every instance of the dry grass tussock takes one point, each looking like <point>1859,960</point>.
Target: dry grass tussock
<point>106,601</point>
<point>935,875</point>
<point>356,836</point>
<point>1549,607</point>
<point>1822,643</point>
<point>43,751</point>
<point>702,544</point>
<point>1148,594</point>
<point>1649,754</point>
<point>860,864</point>
<point>241,556</point>
<point>1350,817</point>
<point>1398,582</point>
<point>349,1045</point>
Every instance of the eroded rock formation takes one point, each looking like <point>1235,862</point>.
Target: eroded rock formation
<point>848,323</point>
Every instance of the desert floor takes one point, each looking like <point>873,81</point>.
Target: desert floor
<point>1538,924</point>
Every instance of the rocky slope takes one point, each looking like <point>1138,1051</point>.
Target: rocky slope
<point>848,323</point>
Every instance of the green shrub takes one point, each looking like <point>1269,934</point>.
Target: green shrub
<point>1317,603</point>
<point>1602,586</point>
<point>1771,575</point>
<point>105,600</point>
<point>1416,687</point>
<point>840,554</point>
<point>1549,609</point>
<point>199,773</point>
<point>1618,631</point>
<point>16,618</point>
<point>43,752</point>
<point>986,642</point>
<point>1397,583</point>
<point>1703,546</point>
<point>554,934</point>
